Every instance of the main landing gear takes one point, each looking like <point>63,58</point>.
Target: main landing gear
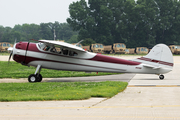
<point>36,77</point>
<point>161,77</point>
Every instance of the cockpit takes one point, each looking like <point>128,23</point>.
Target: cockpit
<point>56,50</point>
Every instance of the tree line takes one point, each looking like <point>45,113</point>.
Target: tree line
<point>135,23</point>
<point>25,32</point>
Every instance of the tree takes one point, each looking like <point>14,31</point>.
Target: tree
<point>135,23</point>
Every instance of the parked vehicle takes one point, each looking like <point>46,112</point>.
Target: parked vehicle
<point>115,48</point>
<point>130,51</point>
<point>4,46</point>
<point>96,48</point>
<point>175,49</point>
<point>142,50</point>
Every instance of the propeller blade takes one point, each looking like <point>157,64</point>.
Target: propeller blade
<point>15,41</point>
<point>10,56</point>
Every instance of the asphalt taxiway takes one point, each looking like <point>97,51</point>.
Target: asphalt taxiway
<point>146,97</point>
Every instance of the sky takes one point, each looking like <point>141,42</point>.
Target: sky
<point>14,12</point>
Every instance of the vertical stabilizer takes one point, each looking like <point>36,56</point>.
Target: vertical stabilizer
<point>160,55</point>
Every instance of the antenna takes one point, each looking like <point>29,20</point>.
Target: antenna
<point>79,42</point>
<point>54,35</point>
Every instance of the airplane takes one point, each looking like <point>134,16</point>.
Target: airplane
<point>64,56</point>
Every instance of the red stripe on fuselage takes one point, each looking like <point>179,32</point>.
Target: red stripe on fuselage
<point>103,58</point>
<point>156,61</point>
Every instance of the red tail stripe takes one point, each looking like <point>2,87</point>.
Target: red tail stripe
<point>156,61</point>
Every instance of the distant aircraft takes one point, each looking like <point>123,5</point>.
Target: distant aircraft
<point>63,56</point>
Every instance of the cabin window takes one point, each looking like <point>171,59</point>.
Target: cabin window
<point>53,50</point>
<point>46,48</point>
<point>65,51</point>
<point>72,53</point>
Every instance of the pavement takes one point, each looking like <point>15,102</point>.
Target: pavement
<point>146,97</point>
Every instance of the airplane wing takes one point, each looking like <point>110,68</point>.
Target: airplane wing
<point>151,66</point>
<point>62,44</point>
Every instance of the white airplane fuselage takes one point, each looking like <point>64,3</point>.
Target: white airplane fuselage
<point>31,54</point>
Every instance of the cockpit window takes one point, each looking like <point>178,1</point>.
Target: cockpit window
<point>57,50</point>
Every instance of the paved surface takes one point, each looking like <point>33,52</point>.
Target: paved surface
<point>118,77</point>
<point>154,99</point>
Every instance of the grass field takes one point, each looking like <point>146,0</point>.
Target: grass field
<point>4,53</point>
<point>59,90</point>
<point>16,70</point>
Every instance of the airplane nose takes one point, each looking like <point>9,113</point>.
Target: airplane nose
<point>19,52</point>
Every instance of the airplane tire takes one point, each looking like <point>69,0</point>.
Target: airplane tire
<point>39,78</point>
<point>32,78</point>
<point>161,77</point>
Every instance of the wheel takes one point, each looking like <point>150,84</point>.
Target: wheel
<point>39,78</point>
<point>161,77</point>
<point>32,78</point>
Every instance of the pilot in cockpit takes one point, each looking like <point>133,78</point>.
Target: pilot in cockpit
<point>46,48</point>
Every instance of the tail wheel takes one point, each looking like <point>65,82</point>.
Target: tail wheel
<point>161,77</point>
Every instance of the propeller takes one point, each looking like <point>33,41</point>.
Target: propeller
<point>10,56</point>
<point>11,50</point>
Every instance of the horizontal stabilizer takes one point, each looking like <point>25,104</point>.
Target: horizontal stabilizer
<point>151,66</point>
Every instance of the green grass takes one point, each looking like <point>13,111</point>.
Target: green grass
<point>16,70</point>
<point>59,90</point>
<point>4,53</point>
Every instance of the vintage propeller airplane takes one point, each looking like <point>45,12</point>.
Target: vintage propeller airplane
<point>63,56</point>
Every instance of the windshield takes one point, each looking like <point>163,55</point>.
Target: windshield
<point>144,49</point>
<point>97,46</point>
<point>101,46</point>
<point>8,45</point>
<point>120,45</point>
<point>123,45</point>
<point>4,44</point>
<point>79,45</point>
